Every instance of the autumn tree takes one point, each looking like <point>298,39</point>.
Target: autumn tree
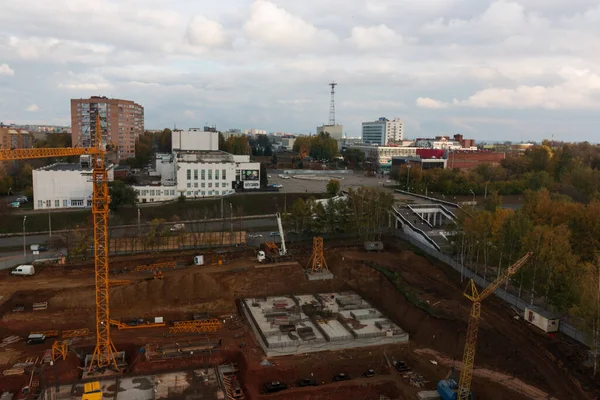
<point>333,187</point>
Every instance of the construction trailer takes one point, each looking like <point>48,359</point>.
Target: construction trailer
<point>545,320</point>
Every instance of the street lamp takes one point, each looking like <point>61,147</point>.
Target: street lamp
<point>24,251</point>
<point>9,190</point>
<point>407,176</point>
<point>473,193</point>
<point>485,196</point>
<point>139,219</point>
<point>231,220</point>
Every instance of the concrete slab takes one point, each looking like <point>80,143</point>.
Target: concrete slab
<point>318,276</point>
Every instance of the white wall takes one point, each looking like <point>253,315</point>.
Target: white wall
<point>166,168</point>
<point>150,194</point>
<point>194,139</point>
<point>63,189</point>
<point>196,186</point>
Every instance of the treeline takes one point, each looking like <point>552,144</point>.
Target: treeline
<point>564,237</point>
<point>365,212</point>
<point>572,169</point>
<point>319,147</point>
<point>147,145</point>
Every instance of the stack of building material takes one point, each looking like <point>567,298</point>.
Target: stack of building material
<point>9,340</point>
<point>306,333</point>
<point>428,395</point>
<point>287,328</point>
<point>41,305</point>
<point>13,371</point>
<point>280,303</point>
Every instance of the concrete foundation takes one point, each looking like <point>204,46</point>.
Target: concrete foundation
<point>318,276</point>
<point>286,325</point>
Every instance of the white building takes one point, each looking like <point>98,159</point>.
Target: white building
<point>197,169</point>
<point>287,142</point>
<point>65,185</point>
<point>383,131</point>
<point>441,143</point>
<point>194,139</point>
<point>254,131</point>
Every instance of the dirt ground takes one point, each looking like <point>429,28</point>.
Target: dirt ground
<point>506,346</point>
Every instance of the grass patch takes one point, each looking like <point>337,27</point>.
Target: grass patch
<point>403,288</point>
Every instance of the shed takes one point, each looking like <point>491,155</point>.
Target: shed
<point>545,320</point>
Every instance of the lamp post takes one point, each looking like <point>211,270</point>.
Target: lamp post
<point>473,193</point>
<point>231,218</point>
<point>8,193</point>
<point>407,176</point>
<point>24,250</point>
<point>139,214</point>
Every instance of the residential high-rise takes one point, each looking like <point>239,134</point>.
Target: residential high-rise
<point>383,131</point>
<point>122,122</point>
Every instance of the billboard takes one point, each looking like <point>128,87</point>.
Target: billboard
<point>251,185</point>
<point>250,175</point>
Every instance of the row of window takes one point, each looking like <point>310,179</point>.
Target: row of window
<point>203,174</point>
<point>65,203</point>
<point>223,185</point>
<point>203,193</point>
<point>154,192</point>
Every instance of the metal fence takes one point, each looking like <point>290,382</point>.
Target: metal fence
<point>510,298</point>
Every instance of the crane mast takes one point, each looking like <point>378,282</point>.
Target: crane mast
<point>105,353</point>
<point>471,292</point>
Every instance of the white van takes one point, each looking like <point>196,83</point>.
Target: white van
<point>23,270</point>
<point>177,228</point>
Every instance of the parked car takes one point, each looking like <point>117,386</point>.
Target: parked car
<point>274,387</point>
<point>307,382</point>
<point>15,204</point>
<point>177,228</point>
<point>254,235</point>
<point>36,338</point>
<point>341,377</point>
<point>38,247</point>
<point>274,234</point>
<point>22,199</point>
<point>369,373</point>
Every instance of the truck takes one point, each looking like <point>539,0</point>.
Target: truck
<point>23,270</point>
<point>199,260</point>
<point>177,228</point>
<point>270,252</point>
<point>38,247</point>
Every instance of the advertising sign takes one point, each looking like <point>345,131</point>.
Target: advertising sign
<point>251,185</point>
<point>250,175</point>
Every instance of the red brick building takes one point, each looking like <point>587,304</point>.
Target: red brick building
<point>464,159</point>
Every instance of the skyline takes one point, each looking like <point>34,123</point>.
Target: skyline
<point>496,70</point>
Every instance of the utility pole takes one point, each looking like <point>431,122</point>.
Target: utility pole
<point>49,225</point>
<point>24,250</point>
<point>231,219</point>
<point>139,214</point>
<point>407,176</point>
<point>473,193</point>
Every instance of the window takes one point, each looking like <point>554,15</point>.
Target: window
<point>144,192</point>
<point>48,203</point>
<point>40,204</point>
<point>158,193</point>
<point>189,174</point>
<point>77,203</point>
<point>189,185</point>
<point>195,193</point>
<point>203,193</point>
<point>210,174</point>
<point>57,203</point>
<point>209,184</point>
<point>210,192</point>
<point>189,193</point>
<point>217,192</point>
<point>195,184</point>
<point>203,174</point>
<point>217,184</point>
<point>223,174</point>
<point>195,174</point>
<point>65,203</point>
<point>224,185</point>
<point>216,174</point>
<point>203,184</point>
<point>152,192</point>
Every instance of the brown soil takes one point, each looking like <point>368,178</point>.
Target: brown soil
<point>505,345</point>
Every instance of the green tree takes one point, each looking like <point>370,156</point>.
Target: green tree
<point>264,179</point>
<point>323,147</point>
<point>302,146</point>
<point>333,187</point>
<point>354,156</point>
<point>238,145</point>
<point>121,194</point>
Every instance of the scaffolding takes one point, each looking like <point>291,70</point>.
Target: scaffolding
<point>60,349</point>
<point>317,261</point>
<point>157,266</point>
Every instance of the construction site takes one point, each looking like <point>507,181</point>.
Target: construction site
<point>321,320</point>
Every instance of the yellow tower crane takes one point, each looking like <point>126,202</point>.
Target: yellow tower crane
<point>471,293</point>
<point>105,352</point>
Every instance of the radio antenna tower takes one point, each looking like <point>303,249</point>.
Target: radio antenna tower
<point>332,105</point>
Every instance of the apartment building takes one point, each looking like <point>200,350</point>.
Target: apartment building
<point>122,122</point>
<point>383,131</point>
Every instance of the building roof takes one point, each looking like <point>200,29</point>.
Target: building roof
<point>68,167</point>
<point>204,156</point>
<point>544,313</point>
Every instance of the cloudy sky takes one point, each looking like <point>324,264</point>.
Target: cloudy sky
<point>494,70</point>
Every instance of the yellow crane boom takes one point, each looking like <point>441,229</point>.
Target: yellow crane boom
<point>105,352</point>
<point>471,293</point>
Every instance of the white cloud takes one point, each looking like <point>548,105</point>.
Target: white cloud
<point>90,87</point>
<point>273,25</point>
<point>426,102</point>
<point>375,37</point>
<point>205,32</point>
<point>6,70</point>
<point>33,108</point>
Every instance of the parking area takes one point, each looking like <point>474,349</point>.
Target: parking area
<point>347,181</point>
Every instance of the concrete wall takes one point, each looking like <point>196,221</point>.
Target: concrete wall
<point>195,139</point>
<point>150,194</point>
